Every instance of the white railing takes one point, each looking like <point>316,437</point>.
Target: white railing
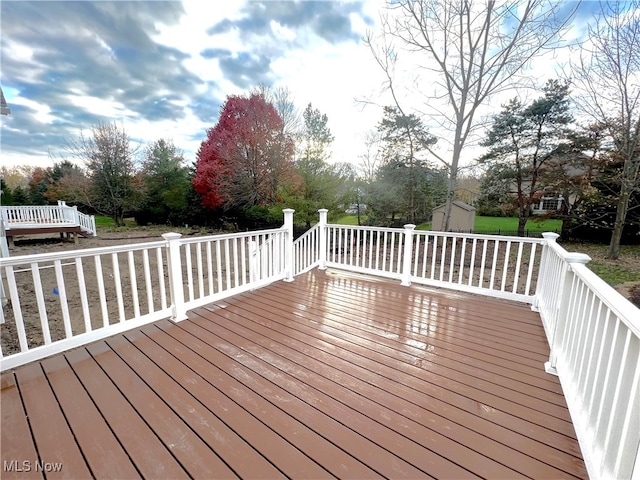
<point>22,216</point>
<point>594,334</point>
<point>496,266</point>
<point>58,301</point>
<point>307,248</point>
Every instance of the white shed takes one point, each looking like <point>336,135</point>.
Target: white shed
<point>463,217</point>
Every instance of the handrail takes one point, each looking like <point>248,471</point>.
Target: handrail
<point>129,285</point>
<point>503,267</point>
<point>594,335</point>
<point>21,216</point>
<point>593,332</point>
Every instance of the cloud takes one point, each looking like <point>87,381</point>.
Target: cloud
<point>327,20</point>
<point>273,29</point>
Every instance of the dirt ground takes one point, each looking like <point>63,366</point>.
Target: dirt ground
<point>40,244</point>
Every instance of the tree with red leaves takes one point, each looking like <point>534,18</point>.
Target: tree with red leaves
<point>246,156</point>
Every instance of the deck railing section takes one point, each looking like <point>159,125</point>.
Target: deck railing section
<point>504,267</point>
<point>497,266</point>
<point>80,296</point>
<point>32,214</point>
<point>593,332</point>
<point>371,250</point>
<point>306,250</point>
<point>594,335</point>
<point>46,215</point>
<point>84,295</point>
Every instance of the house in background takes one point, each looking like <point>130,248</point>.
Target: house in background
<point>548,204</point>
<point>463,217</point>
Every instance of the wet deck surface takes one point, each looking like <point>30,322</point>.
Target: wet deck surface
<point>332,375</point>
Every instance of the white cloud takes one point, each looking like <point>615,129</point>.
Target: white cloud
<point>101,106</point>
<point>42,113</point>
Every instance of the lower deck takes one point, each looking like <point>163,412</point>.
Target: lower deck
<point>332,375</point>
<point>62,229</point>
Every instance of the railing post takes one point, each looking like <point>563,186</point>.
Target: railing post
<point>561,310</point>
<point>254,261</point>
<point>93,225</point>
<point>288,244</point>
<point>322,224</point>
<point>174,266</point>
<point>408,254</point>
<point>544,259</point>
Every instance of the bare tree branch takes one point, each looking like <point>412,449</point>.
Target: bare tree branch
<point>472,50</point>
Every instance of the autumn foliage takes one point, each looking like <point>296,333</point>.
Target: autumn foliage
<point>246,156</point>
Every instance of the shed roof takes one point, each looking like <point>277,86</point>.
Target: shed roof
<point>460,204</point>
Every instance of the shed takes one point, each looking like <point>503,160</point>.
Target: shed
<point>463,217</point>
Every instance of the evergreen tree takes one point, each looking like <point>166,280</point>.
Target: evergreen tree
<point>523,139</point>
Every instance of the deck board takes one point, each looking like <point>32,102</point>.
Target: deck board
<point>332,375</point>
<point>16,441</point>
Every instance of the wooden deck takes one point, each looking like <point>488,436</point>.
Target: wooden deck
<point>69,231</point>
<point>333,375</point>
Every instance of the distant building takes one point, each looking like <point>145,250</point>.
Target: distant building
<point>353,208</point>
<point>547,204</point>
<point>463,217</point>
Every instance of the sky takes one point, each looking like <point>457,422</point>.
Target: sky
<point>163,69</point>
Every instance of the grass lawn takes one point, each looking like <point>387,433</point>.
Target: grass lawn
<point>511,224</point>
<point>350,220</point>
<point>614,272</point>
<point>103,221</point>
<point>482,224</point>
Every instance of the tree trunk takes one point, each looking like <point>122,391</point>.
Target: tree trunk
<point>566,227</point>
<point>621,215</point>
<point>453,178</point>
<point>522,222</point>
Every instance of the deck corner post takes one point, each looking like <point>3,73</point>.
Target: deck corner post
<point>549,237</point>
<point>174,265</point>
<point>76,217</point>
<point>288,248</point>
<point>407,254</point>
<point>562,309</point>
<point>322,224</point>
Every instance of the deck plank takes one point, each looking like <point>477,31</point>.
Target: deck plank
<point>334,375</point>
<point>232,449</point>
<point>358,422</point>
<point>241,409</point>
<point>150,457</point>
<point>327,427</point>
<point>54,441</point>
<point>458,358</point>
<point>496,396</point>
<point>325,379</point>
<point>104,455</point>
<point>15,435</point>
<point>188,449</point>
<point>452,424</point>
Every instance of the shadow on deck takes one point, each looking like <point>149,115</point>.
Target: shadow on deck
<point>331,375</point>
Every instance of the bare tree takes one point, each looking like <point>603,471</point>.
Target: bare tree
<point>282,100</point>
<point>466,51</point>
<point>109,158</point>
<point>607,71</point>
<point>370,158</point>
